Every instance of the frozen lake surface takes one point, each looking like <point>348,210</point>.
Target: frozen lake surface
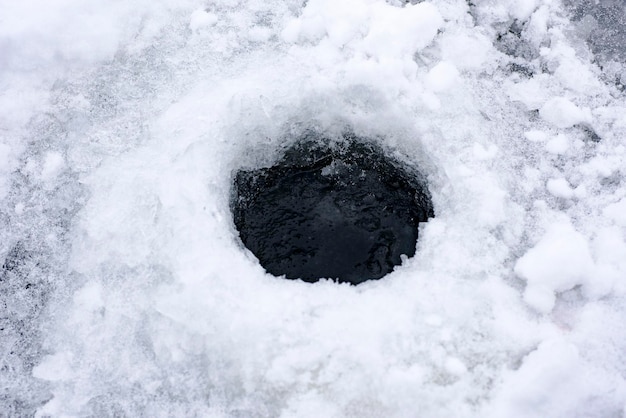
<point>125,290</point>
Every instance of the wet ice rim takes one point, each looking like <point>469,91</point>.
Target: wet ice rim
<point>342,210</point>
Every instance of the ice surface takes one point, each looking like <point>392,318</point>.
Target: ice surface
<point>125,292</point>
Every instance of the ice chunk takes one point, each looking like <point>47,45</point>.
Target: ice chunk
<point>538,26</point>
<point>375,29</point>
<point>90,297</point>
<point>559,187</point>
<point>259,34</point>
<point>201,19</point>
<point>522,9</point>
<point>616,212</point>
<point>532,93</point>
<point>560,261</point>
<point>5,166</point>
<point>609,251</point>
<point>93,34</point>
<point>466,51</point>
<point>398,31</point>
<point>536,136</point>
<point>54,367</point>
<point>442,77</point>
<point>485,153</point>
<point>5,152</point>
<point>455,366</point>
<point>540,297</point>
<point>554,380</point>
<point>562,113</point>
<point>558,145</point>
<point>53,164</point>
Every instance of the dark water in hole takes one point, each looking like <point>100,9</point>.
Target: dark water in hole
<point>346,212</point>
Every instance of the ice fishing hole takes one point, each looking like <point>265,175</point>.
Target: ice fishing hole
<point>344,211</point>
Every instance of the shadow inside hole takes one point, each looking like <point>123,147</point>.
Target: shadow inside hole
<point>345,211</point>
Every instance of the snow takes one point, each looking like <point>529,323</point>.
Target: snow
<point>616,212</point>
<point>125,290</point>
<point>536,136</point>
<point>549,376</point>
<point>442,77</point>
<point>559,187</point>
<point>201,19</point>
<point>466,51</point>
<point>562,113</point>
<point>53,164</point>
<point>560,261</point>
<point>558,145</point>
<point>522,10</point>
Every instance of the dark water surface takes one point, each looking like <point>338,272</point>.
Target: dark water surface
<point>346,212</point>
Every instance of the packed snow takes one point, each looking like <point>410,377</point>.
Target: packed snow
<point>125,290</point>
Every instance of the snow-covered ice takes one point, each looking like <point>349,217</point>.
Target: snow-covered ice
<point>124,289</point>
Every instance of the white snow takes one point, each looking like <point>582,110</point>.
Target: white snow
<point>122,124</point>
<point>6,164</point>
<point>546,381</point>
<point>53,164</point>
<point>558,144</point>
<point>536,136</point>
<point>522,9</point>
<point>559,187</point>
<point>560,261</point>
<point>562,113</point>
<point>617,212</point>
<point>442,76</point>
<point>466,50</point>
<point>202,19</point>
